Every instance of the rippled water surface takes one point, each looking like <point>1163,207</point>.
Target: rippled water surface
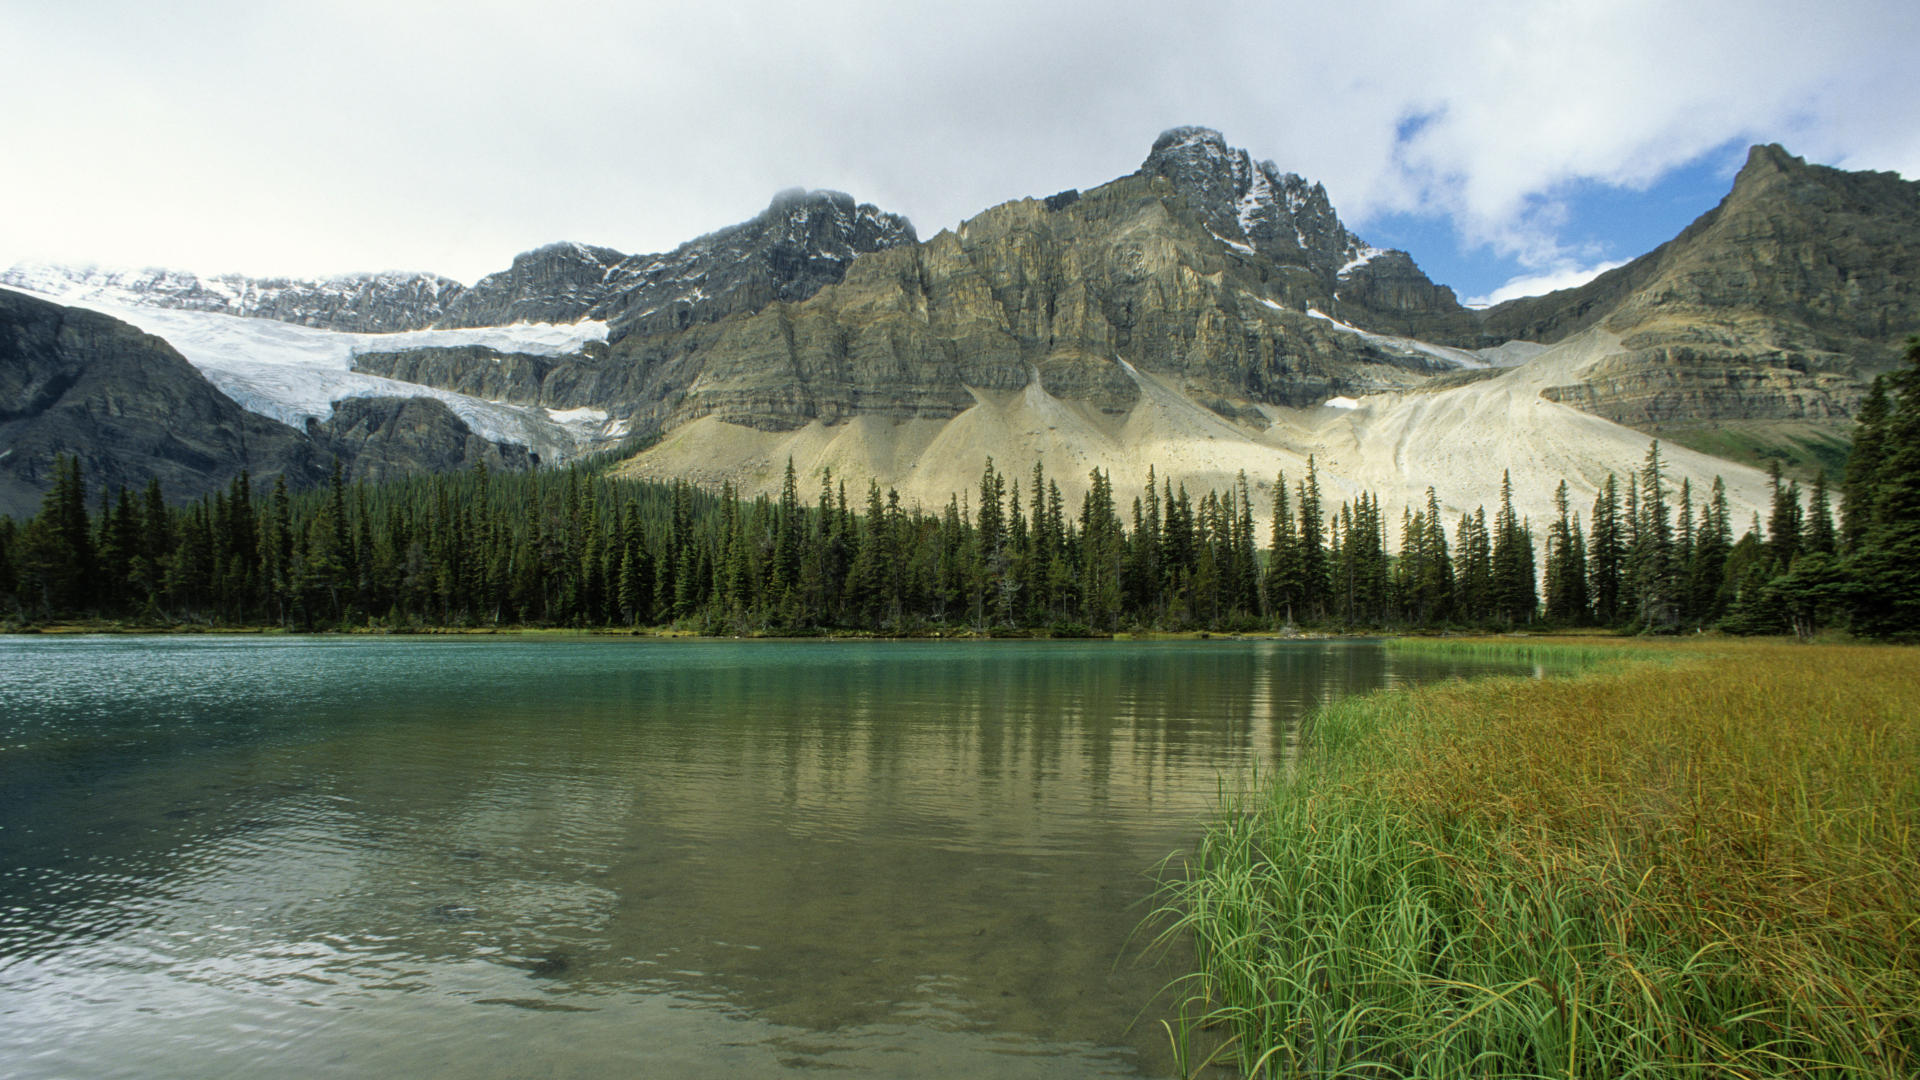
<point>593,857</point>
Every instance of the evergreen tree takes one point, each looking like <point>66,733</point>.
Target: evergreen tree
<point>1817,532</point>
<point>1783,523</point>
<point>1474,585</point>
<point>1515,593</point>
<point>1859,488</point>
<point>56,564</point>
<point>1566,565</point>
<point>1707,586</point>
<point>1284,573</point>
<point>1652,553</point>
<point>1886,564</point>
<point>1606,555</point>
<point>1311,549</point>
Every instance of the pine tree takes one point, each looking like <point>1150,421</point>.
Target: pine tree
<point>1515,595</point>
<point>1435,602</point>
<point>1783,522</point>
<point>1652,553</point>
<point>1707,585</point>
<point>57,557</point>
<point>1283,558</point>
<point>1817,535</point>
<point>1886,564</point>
<point>1859,488</point>
<point>1474,585</point>
<point>1605,554</point>
<point>1312,553</point>
<point>1566,565</point>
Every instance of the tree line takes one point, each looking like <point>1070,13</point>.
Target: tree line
<point>578,548</point>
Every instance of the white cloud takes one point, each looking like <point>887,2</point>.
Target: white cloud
<point>359,134</point>
<point>1561,277</point>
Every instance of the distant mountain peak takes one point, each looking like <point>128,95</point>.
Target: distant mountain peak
<point>1256,209</point>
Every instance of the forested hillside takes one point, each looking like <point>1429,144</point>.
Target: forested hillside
<point>575,548</point>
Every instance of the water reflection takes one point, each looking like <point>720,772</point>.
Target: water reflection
<point>495,858</point>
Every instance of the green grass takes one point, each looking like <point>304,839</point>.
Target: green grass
<point>1699,867</point>
<point>1803,448</point>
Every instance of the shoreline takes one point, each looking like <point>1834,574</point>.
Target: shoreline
<point>1686,854</point>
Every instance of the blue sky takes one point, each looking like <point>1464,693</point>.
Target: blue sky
<point>1600,224</point>
<point>1551,138</point>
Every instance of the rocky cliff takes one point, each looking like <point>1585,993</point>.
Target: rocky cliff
<point>801,243</point>
<point>1224,277</point>
<point>1254,209</point>
<point>1204,276</point>
<point>1778,304</point>
<point>386,438</point>
<point>129,407</point>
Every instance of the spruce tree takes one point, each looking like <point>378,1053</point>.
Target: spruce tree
<point>1859,488</point>
<point>1605,554</point>
<point>1314,578</point>
<point>1886,566</point>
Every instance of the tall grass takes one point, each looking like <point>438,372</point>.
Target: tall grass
<point>1703,867</point>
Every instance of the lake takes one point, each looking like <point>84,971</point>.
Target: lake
<point>583,857</point>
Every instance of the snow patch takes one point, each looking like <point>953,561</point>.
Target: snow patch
<point>1234,244</point>
<point>1364,254</point>
<point>1259,194</point>
<point>583,415</point>
<point>1457,357</point>
<point>1341,402</point>
<point>540,339</point>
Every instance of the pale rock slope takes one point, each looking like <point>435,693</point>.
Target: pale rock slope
<point>1457,440</point>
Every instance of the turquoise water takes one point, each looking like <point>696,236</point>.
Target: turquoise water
<point>592,857</point>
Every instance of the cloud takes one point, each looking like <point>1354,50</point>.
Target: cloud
<point>1561,277</point>
<point>334,136</point>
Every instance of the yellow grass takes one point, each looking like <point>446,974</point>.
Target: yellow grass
<point>1703,860</point>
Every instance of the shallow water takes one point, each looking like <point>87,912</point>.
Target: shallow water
<point>592,857</point>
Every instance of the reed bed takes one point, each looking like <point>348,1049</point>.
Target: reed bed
<point>1700,867</point>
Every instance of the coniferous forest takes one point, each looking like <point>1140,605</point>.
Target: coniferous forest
<point>576,548</point>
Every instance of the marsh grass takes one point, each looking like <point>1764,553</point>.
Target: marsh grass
<point>1704,866</point>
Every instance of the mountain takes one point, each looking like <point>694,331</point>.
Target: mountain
<point>355,303</point>
<point>1256,210</point>
<point>130,407</point>
<point>1760,324</point>
<point>801,242</point>
<point>1206,314</point>
<point>77,382</point>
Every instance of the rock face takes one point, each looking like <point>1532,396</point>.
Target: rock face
<point>1127,274</point>
<point>1064,293</point>
<point>555,382</point>
<point>76,382</point>
<point>1256,209</point>
<point>386,438</point>
<point>129,407</point>
<point>1777,304</point>
<point>1204,275</point>
<point>801,243</point>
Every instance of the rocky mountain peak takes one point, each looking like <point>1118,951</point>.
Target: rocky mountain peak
<point>1254,205</point>
<point>1256,209</point>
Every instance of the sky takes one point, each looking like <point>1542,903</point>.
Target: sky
<point>1511,147</point>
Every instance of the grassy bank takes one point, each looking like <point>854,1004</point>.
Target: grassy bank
<point>1692,858</point>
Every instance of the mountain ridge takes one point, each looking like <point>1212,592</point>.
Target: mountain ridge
<point>1205,275</point>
